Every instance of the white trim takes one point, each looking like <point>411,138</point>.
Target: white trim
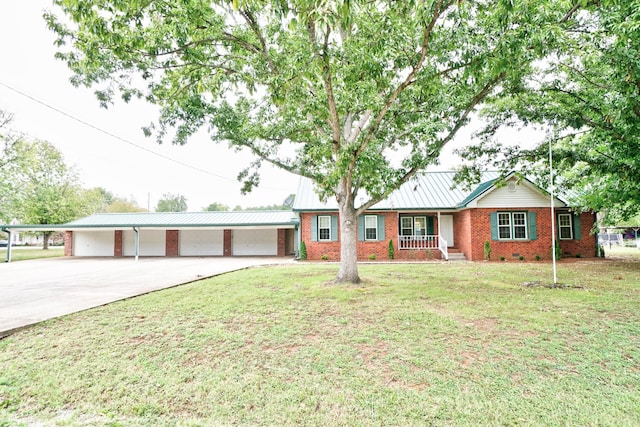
<point>320,239</point>
<point>373,218</point>
<point>560,226</point>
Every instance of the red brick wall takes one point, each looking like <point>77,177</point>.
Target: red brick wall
<point>282,241</point>
<point>117,246</point>
<point>68,243</point>
<point>481,231</point>
<point>462,232</point>
<point>315,250</point>
<point>366,249</point>
<point>227,248</point>
<point>172,243</point>
<point>472,227</point>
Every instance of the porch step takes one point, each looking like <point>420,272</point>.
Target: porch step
<point>457,256</point>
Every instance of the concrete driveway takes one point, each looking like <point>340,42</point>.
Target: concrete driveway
<point>37,290</point>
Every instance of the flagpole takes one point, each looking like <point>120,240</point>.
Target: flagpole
<point>553,219</point>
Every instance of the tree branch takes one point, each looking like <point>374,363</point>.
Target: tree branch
<point>250,19</point>
<point>426,39</point>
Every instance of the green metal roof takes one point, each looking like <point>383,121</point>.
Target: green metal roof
<point>428,190</point>
<point>284,219</point>
<point>480,189</point>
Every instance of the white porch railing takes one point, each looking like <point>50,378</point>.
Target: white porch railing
<point>443,248</point>
<point>424,242</point>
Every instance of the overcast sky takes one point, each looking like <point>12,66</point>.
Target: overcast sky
<point>50,108</point>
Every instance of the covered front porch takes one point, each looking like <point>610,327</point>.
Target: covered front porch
<point>426,231</point>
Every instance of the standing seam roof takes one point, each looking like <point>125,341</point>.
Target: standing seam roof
<point>428,190</point>
<point>158,219</point>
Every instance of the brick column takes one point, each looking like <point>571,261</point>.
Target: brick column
<point>117,246</point>
<point>227,248</point>
<point>68,243</point>
<point>282,241</point>
<point>171,245</point>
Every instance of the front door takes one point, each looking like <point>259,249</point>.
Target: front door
<point>446,229</point>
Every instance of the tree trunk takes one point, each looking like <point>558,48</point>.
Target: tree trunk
<point>45,238</point>
<point>348,272</point>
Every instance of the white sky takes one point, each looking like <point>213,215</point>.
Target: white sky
<point>28,66</point>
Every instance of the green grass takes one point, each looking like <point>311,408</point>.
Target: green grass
<point>21,253</point>
<point>622,252</point>
<point>453,344</point>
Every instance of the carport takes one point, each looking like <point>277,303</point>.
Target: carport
<point>175,234</point>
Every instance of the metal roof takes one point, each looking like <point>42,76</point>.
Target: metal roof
<point>175,220</point>
<point>427,190</point>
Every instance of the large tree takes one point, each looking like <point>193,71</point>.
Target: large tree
<point>587,94</point>
<point>357,95</point>
<point>13,163</point>
<point>50,192</point>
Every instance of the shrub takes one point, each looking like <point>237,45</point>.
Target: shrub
<point>372,257</point>
<point>325,257</point>
<point>538,257</point>
<point>600,251</point>
<point>521,257</point>
<point>487,250</point>
<point>391,252</point>
<point>303,250</point>
<point>502,258</point>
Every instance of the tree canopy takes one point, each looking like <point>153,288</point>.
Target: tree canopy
<point>48,191</point>
<point>587,94</point>
<point>357,95</point>
<point>172,203</point>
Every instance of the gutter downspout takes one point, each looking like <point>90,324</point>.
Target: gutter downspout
<point>6,230</point>
<point>137,242</point>
<point>298,239</point>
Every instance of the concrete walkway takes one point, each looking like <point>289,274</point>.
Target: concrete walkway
<point>37,290</point>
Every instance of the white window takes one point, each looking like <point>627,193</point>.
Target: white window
<point>324,228</point>
<point>413,226</point>
<point>406,226</point>
<point>371,227</point>
<point>519,225</point>
<point>420,225</point>
<point>512,225</point>
<point>565,227</point>
<point>504,225</point>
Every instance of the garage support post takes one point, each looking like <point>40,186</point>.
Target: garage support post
<point>137,242</point>
<point>8,244</point>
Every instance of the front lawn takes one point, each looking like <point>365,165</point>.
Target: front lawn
<point>20,253</point>
<point>453,344</point>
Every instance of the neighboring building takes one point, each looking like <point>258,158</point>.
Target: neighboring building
<point>428,218</point>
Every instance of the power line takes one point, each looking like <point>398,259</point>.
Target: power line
<point>112,135</point>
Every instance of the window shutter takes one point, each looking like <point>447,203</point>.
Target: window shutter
<point>493,217</point>
<point>334,228</point>
<point>577,228</point>
<point>381,228</point>
<point>360,228</point>
<point>430,230</point>
<point>314,228</point>
<point>533,227</point>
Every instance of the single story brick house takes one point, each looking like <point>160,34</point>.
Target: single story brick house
<point>427,218</point>
<point>243,233</point>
